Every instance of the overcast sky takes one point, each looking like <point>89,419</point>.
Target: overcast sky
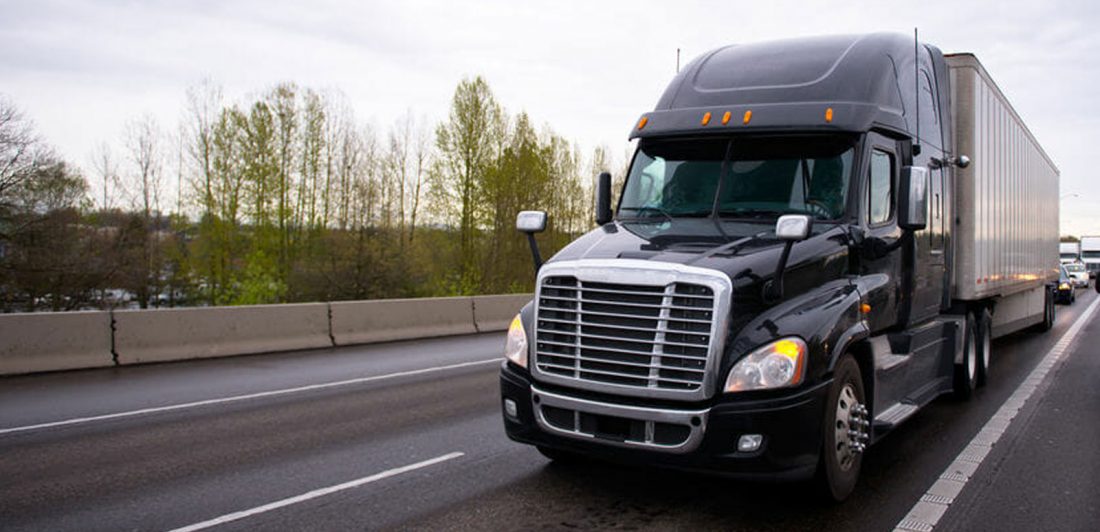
<point>80,70</point>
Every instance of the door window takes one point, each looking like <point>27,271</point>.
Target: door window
<point>880,188</point>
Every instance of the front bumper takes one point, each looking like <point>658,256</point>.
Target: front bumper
<point>698,437</point>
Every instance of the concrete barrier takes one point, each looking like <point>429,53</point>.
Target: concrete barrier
<point>178,334</point>
<point>54,341</point>
<point>495,313</point>
<point>51,341</point>
<point>364,322</point>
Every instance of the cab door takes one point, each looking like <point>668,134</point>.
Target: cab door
<point>878,218</point>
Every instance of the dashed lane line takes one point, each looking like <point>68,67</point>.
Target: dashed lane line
<point>244,397</point>
<point>316,493</point>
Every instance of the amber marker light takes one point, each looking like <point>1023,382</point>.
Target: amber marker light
<point>643,122</point>
<point>726,118</point>
<point>829,114</point>
<point>865,308</point>
<point>706,118</point>
<point>747,118</point>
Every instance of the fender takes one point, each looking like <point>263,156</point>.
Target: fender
<point>825,318</point>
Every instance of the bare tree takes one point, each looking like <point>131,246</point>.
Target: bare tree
<point>21,151</point>
<point>143,142</point>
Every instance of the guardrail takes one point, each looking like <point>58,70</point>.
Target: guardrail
<point>52,341</point>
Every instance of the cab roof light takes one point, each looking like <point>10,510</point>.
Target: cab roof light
<point>748,116</point>
<point>706,118</point>
<point>829,114</point>
<point>726,118</point>
<point>643,122</point>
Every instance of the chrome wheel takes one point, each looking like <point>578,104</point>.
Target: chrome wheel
<point>851,427</point>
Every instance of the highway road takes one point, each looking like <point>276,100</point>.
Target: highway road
<point>408,435</point>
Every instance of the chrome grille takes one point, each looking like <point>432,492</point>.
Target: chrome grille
<point>641,336</point>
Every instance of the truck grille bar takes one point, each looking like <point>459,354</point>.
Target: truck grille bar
<point>632,337</point>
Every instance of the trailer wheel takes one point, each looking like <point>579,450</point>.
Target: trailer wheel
<point>1049,310</point>
<point>966,373</point>
<point>985,345</point>
<point>846,432</point>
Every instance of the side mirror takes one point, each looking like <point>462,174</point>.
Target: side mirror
<point>603,198</point>
<point>913,199</point>
<point>789,228</point>
<point>531,221</point>
<point>793,227</point>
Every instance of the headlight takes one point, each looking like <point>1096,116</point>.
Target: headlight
<point>776,365</point>
<point>1063,286</point>
<point>515,347</point>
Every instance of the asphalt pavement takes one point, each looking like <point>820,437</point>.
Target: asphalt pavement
<point>408,435</point>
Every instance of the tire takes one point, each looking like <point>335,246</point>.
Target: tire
<point>985,345</point>
<point>841,452</point>
<point>1049,313</point>
<point>966,373</point>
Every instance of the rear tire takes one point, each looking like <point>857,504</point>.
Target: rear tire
<point>966,373</point>
<point>985,345</point>
<point>841,450</point>
<point>1049,313</point>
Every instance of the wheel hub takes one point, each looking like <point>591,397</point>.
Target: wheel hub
<point>851,427</point>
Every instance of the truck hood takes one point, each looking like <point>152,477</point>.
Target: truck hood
<point>821,257</point>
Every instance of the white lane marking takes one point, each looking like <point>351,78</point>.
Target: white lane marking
<point>220,400</point>
<point>316,493</point>
<point>926,513</point>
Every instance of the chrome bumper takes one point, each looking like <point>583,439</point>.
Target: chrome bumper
<point>586,415</point>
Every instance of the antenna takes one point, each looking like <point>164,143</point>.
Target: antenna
<point>677,60</point>
<point>916,85</point>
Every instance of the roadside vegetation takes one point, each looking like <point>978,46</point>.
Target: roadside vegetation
<point>288,197</point>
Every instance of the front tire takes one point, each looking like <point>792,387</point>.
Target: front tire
<point>966,373</point>
<point>846,432</point>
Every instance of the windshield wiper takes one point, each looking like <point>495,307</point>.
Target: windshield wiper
<point>758,213</point>
<point>655,212</point>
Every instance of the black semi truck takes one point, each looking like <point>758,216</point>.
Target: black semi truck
<point>816,238</point>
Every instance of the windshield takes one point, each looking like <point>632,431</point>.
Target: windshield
<point>752,177</point>
<point>1075,267</point>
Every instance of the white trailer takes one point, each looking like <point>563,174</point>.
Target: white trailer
<point>1006,240</point>
<point>1090,253</point>
<point>1069,252</point>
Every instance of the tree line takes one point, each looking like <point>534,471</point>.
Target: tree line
<point>287,197</point>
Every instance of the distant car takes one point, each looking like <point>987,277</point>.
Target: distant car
<point>1079,275</point>
<point>1064,292</point>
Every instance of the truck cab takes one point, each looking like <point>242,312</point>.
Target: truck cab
<point>774,290</point>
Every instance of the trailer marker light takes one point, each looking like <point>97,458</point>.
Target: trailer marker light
<point>706,118</point>
<point>748,116</point>
<point>829,114</point>
<point>726,118</point>
<point>643,122</point>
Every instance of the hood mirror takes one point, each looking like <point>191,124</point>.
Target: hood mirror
<point>793,227</point>
<point>531,221</point>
